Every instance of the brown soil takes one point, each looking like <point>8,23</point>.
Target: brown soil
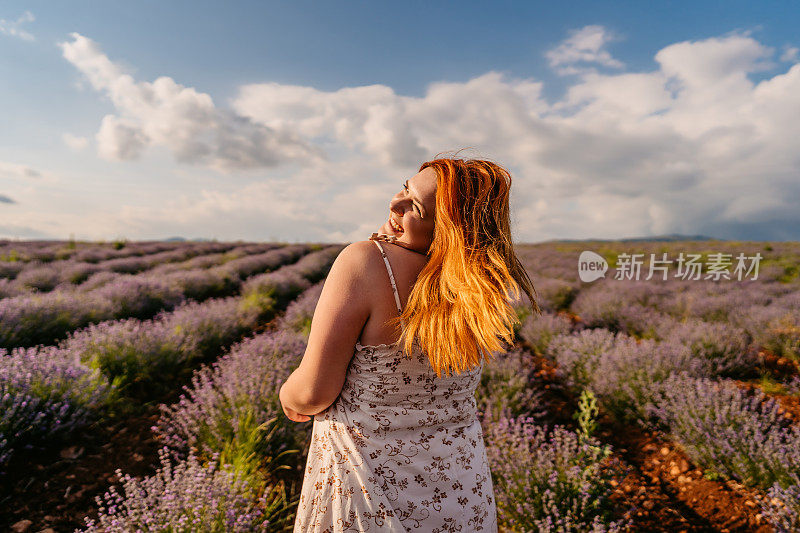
<point>780,367</point>
<point>56,489</point>
<point>702,504</point>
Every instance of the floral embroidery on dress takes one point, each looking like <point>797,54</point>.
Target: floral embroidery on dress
<point>400,449</point>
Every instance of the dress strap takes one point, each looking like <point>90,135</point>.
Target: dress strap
<point>391,277</point>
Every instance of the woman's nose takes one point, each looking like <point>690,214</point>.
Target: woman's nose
<point>397,203</point>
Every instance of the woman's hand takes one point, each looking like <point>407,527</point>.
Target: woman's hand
<point>291,413</point>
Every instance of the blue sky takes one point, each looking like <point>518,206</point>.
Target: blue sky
<point>299,120</point>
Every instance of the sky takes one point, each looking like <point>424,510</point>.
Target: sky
<point>299,121</point>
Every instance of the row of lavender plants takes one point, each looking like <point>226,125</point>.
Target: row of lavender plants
<point>767,312</point>
<point>47,392</point>
<point>48,251</point>
<point>43,277</point>
<point>675,382</point>
<point>21,252</point>
<point>45,318</point>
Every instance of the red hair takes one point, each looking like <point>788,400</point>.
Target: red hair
<point>460,304</point>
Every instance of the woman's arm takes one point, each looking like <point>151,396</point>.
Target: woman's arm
<point>341,313</point>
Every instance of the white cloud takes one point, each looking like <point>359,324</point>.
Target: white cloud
<point>13,170</point>
<point>712,63</point>
<point>790,54</point>
<point>584,46</point>
<point>13,27</point>
<point>693,146</point>
<point>74,142</point>
<point>165,113</point>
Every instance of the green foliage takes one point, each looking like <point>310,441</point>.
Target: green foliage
<point>258,453</point>
<point>586,414</point>
<point>138,373</point>
<point>783,337</point>
<point>768,384</point>
<point>790,272</point>
<point>263,304</point>
<point>522,312</point>
<point>11,256</point>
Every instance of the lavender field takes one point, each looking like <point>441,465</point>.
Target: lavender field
<point>139,389</point>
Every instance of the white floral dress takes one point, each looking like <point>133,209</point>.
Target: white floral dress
<point>399,450</point>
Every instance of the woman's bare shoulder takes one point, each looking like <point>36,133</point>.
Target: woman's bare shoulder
<point>366,255</point>
<point>360,258</point>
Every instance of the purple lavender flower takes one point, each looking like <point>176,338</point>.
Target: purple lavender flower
<point>239,391</point>
<point>539,330</point>
<point>739,434</point>
<point>508,388</point>
<point>44,396</point>
<point>550,480</point>
<point>188,496</point>
<point>724,347</point>
<point>781,507</point>
<point>44,318</point>
<point>300,312</point>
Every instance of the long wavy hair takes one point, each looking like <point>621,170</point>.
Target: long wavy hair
<point>460,304</point>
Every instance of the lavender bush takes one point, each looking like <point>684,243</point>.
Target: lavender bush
<point>143,358</point>
<point>539,330</point>
<point>187,496</point>
<point>508,388</point>
<point>619,305</point>
<point>724,347</point>
<point>555,294</point>
<point>578,355</point>
<point>792,386</point>
<point>38,277</point>
<point>711,301</point>
<point>778,331</point>
<point>8,289</point>
<point>64,271</point>
<point>736,433</point>
<point>45,396</point>
<point>229,399</point>
<point>300,312</point>
<point>623,372</point>
<point>10,267</point>
<point>550,480</point>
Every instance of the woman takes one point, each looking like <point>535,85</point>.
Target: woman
<point>396,443</point>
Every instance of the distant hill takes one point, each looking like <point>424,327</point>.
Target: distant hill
<point>654,238</point>
<point>184,239</point>
<point>673,237</point>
